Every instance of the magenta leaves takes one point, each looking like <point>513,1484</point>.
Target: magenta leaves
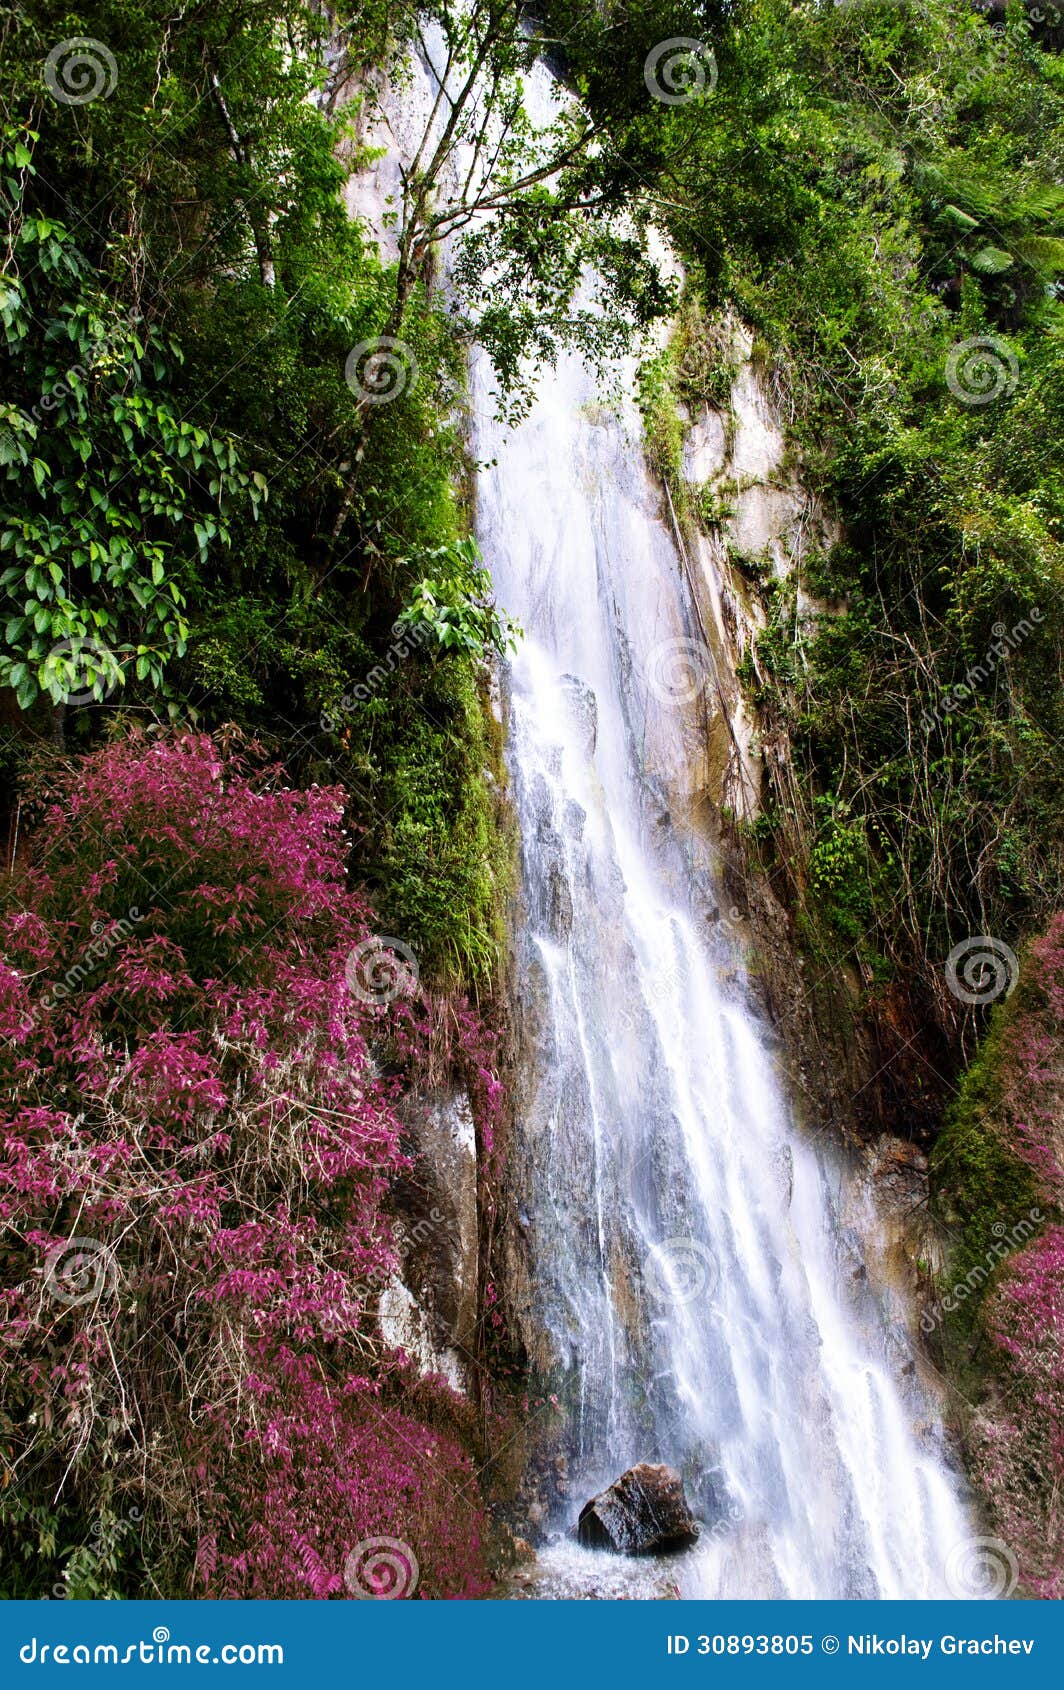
<point>1020,1445</point>
<point>1019,1436</point>
<point>197,1150</point>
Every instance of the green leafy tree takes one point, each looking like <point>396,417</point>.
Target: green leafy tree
<point>455,604</point>
<point>112,498</point>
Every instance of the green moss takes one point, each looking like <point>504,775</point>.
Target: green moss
<point>980,1188</point>
<point>661,418</point>
<point>705,368</point>
<point>425,760</point>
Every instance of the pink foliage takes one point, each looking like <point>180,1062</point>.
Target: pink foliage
<point>194,1091</point>
<point>373,1473</point>
<point>1019,1438</point>
<point>1021,1448</point>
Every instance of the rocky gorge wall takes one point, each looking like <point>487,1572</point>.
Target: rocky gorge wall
<point>753,522</point>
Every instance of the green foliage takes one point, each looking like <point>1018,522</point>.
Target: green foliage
<point>113,498</point>
<point>658,397</point>
<point>424,766</point>
<point>101,1565</point>
<point>979,1181</point>
<point>181,322</point>
<point>869,187</point>
<point>454,606</point>
<point>995,1169</point>
<point>843,871</point>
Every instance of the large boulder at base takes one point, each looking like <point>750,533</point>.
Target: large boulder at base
<point>644,1512</point>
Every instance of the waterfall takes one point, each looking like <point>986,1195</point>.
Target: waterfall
<point>684,1249</point>
<point>691,1278</point>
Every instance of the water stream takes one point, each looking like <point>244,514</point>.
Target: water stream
<point>682,1235</point>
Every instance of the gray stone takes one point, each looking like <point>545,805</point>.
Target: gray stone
<point>583,706</point>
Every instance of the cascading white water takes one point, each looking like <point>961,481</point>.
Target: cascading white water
<point>681,1234</point>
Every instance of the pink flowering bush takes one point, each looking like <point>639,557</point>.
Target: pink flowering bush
<point>198,1147</point>
<point>1016,1135</point>
<point>370,1474</point>
<point>1020,1443</point>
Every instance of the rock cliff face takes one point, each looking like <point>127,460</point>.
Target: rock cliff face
<point>751,526</point>
<point>765,525</point>
<point>429,1308</point>
<point>754,519</point>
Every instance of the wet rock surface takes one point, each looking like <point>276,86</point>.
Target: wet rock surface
<point>429,1308</point>
<point>643,1512</point>
<point>583,707</point>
